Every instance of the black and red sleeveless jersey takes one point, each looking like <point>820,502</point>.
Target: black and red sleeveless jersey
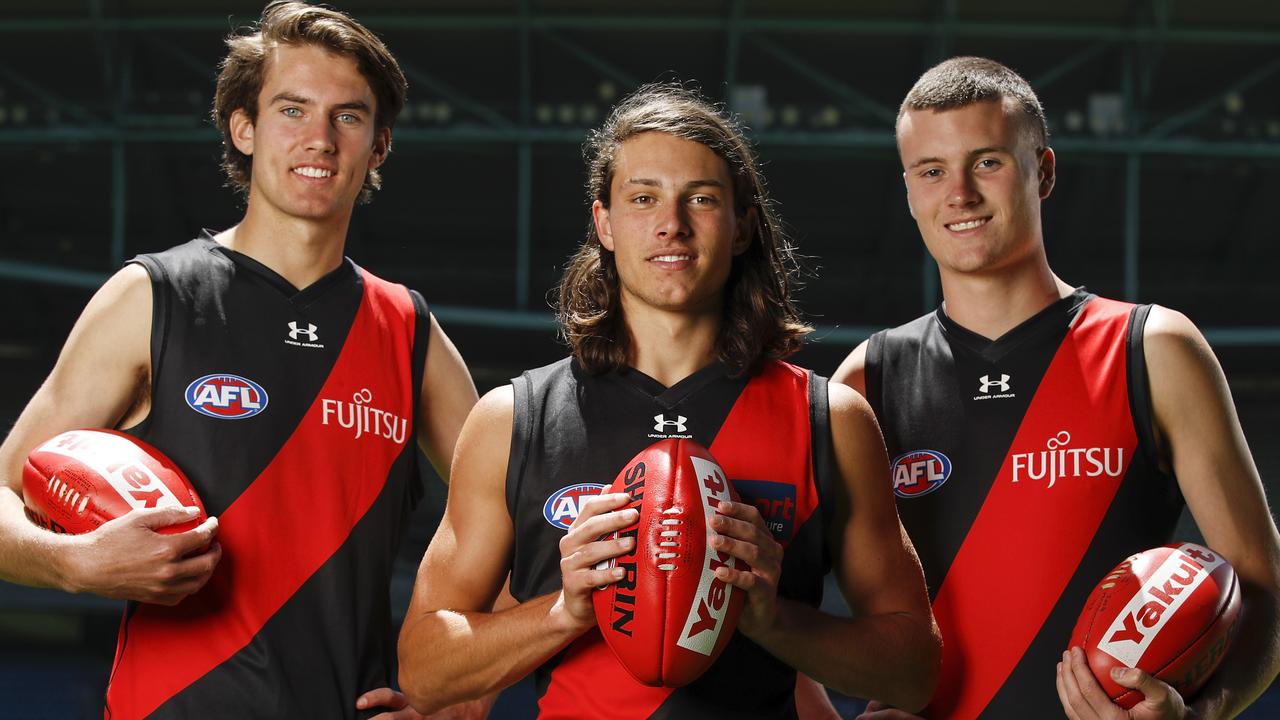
<point>292,412</point>
<point>1024,470</point>
<point>571,435</point>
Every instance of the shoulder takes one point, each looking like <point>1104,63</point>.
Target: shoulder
<point>851,416</point>
<point>124,298</point>
<point>1170,327</point>
<point>495,408</point>
<point>1172,344</point>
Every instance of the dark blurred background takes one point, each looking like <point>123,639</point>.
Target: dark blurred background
<point>1165,115</point>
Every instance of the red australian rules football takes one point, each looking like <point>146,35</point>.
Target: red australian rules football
<point>82,478</point>
<point>1169,611</point>
<point>669,617</point>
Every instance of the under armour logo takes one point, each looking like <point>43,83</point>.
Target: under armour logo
<point>661,423</point>
<point>309,332</point>
<point>987,383</point>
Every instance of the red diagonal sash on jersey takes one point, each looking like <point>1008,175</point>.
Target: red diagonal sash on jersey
<point>773,405</point>
<point>264,564</point>
<point>1028,539</point>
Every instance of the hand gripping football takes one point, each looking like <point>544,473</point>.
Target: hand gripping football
<point>1169,611</point>
<point>669,617</point>
<point>82,478</point>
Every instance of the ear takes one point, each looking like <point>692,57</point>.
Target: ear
<point>381,148</point>
<point>908,187</point>
<point>600,216</point>
<point>241,126</point>
<point>746,231</point>
<point>1048,172</point>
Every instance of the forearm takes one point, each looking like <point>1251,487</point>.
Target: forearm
<point>1252,660</point>
<point>447,657</point>
<point>29,555</point>
<point>890,657</point>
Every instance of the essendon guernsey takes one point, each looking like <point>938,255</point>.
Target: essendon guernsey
<point>1024,469</point>
<point>291,411</point>
<point>573,432</point>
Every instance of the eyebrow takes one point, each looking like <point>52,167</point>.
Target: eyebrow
<point>650,182</point>
<point>971,153</point>
<point>301,100</point>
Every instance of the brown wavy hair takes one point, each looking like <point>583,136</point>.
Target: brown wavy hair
<point>760,322</point>
<point>244,69</point>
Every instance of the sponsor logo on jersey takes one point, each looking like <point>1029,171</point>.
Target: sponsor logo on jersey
<point>1156,602</point>
<point>919,472</point>
<point>993,387</point>
<point>226,397</point>
<point>303,335</point>
<point>1059,461</point>
<point>362,419</point>
<point>562,508</point>
<point>673,426</point>
<point>776,502</point>
<point>711,602</point>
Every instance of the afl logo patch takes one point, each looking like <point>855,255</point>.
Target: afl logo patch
<point>562,508</point>
<point>226,397</point>
<point>919,472</point>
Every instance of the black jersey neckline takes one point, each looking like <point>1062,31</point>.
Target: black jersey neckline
<point>300,297</point>
<point>670,397</point>
<point>1056,316</point>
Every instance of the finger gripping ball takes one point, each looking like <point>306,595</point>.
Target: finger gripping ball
<point>1169,611</point>
<point>82,478</point>
<point>670,617</point>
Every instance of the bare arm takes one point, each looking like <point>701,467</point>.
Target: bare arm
<point>1200,441</point>
<point>100,380</point>
<point>447,395</point>
<point>1200,437</point>
<point>852,371</point>
<point>889,649</point>
<point>452,647</point>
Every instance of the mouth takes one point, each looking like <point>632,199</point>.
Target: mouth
<point>672,258</point>
<point>965,225</point>
<point>312,171</point>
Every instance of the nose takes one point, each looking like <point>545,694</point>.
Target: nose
<point>673,221</point>
<point>319,135</point>
<point>963,191</point>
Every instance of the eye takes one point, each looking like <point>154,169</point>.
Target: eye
<point>642,199</point>
<point>291,111</point>
<point>931,173</point>
<point>348,118</point>
<point>703,200</point>
<point>988,164</point>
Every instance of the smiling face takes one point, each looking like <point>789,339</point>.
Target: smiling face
<point>314,139</point>
<point>974,185</point>
<point>671,224</point>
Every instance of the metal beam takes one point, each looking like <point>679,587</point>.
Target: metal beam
<point>1069,65</point>
<point>448,92</point>
<point>685,23</point>
<point>732,47</point>
<point>853,99</point>
<point>817,141</point>
<point>46,274</point>
<point>1206,106</point>
<point>20,81</point>
<point>592,60</point>
<point>524,165</point>
<point>527,320</point>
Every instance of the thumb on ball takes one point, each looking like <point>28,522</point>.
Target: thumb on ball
<point>1135,679</point>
